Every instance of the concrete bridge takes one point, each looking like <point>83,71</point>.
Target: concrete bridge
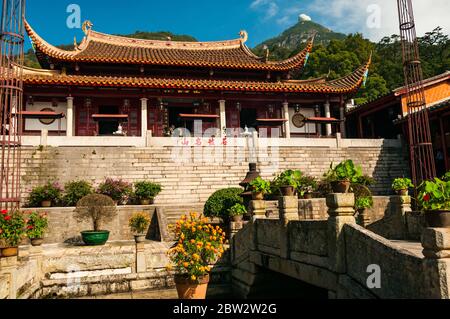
<point>335,258</point>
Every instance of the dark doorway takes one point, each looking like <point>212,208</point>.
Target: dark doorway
<point>248,118</point>
<point>177,121</point>
<point>108,127</point>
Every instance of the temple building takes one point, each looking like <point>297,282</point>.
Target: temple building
<point>387,116</point>
<point>118,87</point>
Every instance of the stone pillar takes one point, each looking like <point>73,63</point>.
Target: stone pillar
<point>44,137</point>
<point>401,206</point>
<point>8,269</point>
<point>257,211</point>
<point>69,117</point>
<point>223,118</point>
<point>288,207</point>
<point>235,227</point>
<point>328,114</point>
<point>341,212</point>
<point>287,124</point>
<point>141,265</point>
<point>363,218</point>
<point>144,117</point>
<point>436,265</point>
<point>342,118</point>
<point>35,256</point>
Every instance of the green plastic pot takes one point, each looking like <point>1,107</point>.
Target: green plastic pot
<point>95,238</point>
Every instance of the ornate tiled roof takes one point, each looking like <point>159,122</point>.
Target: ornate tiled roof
<point>346,84</point>
<point>98,47</point>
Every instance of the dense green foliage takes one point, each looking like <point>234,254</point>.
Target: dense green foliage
<point>344,171</point>
<point>76,190</point>
<point>48,192</point>
<point>118,190</point>
<point>221,201</point>
<point>434,195</point>
<point>237,210</point>
<point>146,190</point>
<point>402,184</point>
<point>37,225</point>
<point>260,185</point>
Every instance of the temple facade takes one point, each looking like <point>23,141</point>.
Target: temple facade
<point>115,87</point>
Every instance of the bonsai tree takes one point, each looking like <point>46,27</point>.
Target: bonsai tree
<point>237,211</point>
<point>12,229</point>
<point>99,209</point>
<point>401,185</point>
<point>221,201</point>
<point>45,196</point>
<point>260,187</point>
<point>76,190</point>
<point>118,190</point>
<point>139,223</point>
<point>146,191</point>
<point>37,225</point>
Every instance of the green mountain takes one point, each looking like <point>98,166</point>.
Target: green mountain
<point>289,42</point>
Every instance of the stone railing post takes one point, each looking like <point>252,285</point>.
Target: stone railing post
<point>363,218</point>
<point>341,211</point>
<point>436,265</point>
<point>141,265</point>
<point>8,270</point>
<point>235,227</point>
<point>257,209</point>
<point>35,257</point>
<point>288,207</point>
<point>401,206</point>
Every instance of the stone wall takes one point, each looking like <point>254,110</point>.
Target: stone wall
<point>193,174</point>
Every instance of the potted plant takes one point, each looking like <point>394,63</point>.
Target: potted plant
<point>76,190</point>
<point>343,175</point>
<point>12,230</point>
<point>289,181</point>
<point>118,190</point>
<point>363,203</point>
<point>139,223</point>
<point>98,209</point>
<point>259,187</point>
<point>45,196</point>
<point>198,245</point>
<point>221,201</point>
<point>402,185</point>
<point>36,226</point>
<point>307,187</point>
<point>237,212</point>
<point>434,198</point>
<point>146,192</point>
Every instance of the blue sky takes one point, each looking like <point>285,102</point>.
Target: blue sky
<point>219,20</point>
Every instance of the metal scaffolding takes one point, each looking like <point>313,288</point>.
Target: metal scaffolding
<point>11,96</point>
<point>421,148</point>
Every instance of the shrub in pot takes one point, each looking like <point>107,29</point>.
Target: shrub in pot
<point>434,199</point>
<point>139,223</point>
<point>198,246</point>
<point>402,185</point>
<point>145,192</point>
<point>307,187</point>
<point>45,196</point>
<point>237,212</point>
<point>289,182</point>
<point>259,188</point>
<point>341,176</point>
<point>76,190</point>
<point>221,201</point>
<point>99,209</point>
<point>12,231</point>
<point>36,226</point>
<point>118,190</point>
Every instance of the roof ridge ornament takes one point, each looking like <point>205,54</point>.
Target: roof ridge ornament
<point>244,36</point>
<point>87,26</point>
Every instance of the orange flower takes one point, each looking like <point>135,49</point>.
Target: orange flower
<point>186,264</point>
<point>192,241</point>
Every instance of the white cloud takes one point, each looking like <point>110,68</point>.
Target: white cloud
<point>304,17</point>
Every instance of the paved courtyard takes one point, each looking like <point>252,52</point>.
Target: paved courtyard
<point>153,294</point>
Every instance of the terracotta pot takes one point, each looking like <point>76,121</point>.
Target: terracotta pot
<point>438,218</point>
<point>308,196</point>
<point>139,238</point>
<point>146,202</point>
<point>46,203</point>
<point>287,190</point>
<point>238,219</point>
<point>403,192</point>
<point>341,187</point>
<point>187,289</point>
<point>9,252</point>
<point>257,196</point>
<point>36,241</point>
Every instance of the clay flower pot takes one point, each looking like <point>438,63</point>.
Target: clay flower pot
<point>46,203</point>
<point>257,196</point>
<point>140,238</point>
<point>438,218</point>
<point>188,289</point>
<point>146,202</point>
<point>9,252</point>
<point>402,192</point>
<point>36,241</point>
<point>287,190</point>
<point>308,196</point>
<point>341,187</point>
<point>238,218</point>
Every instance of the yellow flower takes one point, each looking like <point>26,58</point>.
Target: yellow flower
<point>169,267</point>
<point>193,278</point>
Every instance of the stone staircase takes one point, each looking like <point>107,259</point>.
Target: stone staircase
<point>170,214</point>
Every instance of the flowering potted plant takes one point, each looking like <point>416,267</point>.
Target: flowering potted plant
<point>198,246</point>
<point>402,185</point>
<point>36,226</point>
<point>343,175</point>
<point>434,198</point>
<point>118,190</point>
<point>139,223</point>
<point>289,182</point>
<point>307,187</point>
<point>45,196</point>
<point>260,187</point>
<point>12,230</point>
<point>146,192</point>
<point>237,212</point>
